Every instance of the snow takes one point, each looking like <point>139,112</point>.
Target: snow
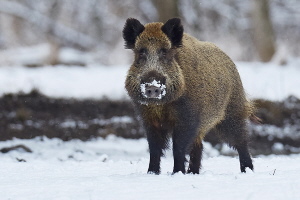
<point>25,55</point>
<point>82,125</point>
<point>269,80</point>
<point>64,81</point>
<point>261,80</point>
<point>115,168</point>
<point>288,130</point>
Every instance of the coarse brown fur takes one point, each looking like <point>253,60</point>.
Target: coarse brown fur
<point>203,93</point>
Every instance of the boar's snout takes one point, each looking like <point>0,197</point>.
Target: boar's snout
<point>153,85</point>
<point>152,91</point>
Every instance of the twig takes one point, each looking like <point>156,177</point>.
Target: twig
<point>20,146</point>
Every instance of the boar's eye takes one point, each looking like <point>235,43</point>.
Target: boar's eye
<point>162,52</point>
<point>142,52</point>
<point>141,56</point>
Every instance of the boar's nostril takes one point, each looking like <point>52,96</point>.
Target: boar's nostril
<point>152,91</point>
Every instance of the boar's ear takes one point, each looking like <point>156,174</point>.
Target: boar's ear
<point>174,30</point>
<point>131,30</point>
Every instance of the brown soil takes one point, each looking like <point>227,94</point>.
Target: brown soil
<point>31,115</point>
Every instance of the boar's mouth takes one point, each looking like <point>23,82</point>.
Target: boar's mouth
<point>153,90</point>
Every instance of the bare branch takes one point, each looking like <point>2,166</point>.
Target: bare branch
<point>64,33</point>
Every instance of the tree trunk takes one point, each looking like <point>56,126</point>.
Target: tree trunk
<point>166,9</point>
<point>54,44</point>
<point>263,31</point>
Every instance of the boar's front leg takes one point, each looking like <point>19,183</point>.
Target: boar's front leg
<point>184,134</point>
<point>183,137</point>
<point>158,141</point>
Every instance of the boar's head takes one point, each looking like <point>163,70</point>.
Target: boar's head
<point>155,77</point>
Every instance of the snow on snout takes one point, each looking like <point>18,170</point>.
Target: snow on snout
<point>155,84</point>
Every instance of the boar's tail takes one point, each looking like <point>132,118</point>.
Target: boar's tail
<point>253,118</point>
<point>251,113</point>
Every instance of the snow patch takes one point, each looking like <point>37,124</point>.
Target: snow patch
<point>290,131</point>
<point>113,120</point>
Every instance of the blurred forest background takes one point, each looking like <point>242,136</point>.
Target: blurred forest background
<point>36,33</point>
<point>247,30</point>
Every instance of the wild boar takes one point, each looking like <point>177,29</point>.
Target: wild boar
<point>184,88</point>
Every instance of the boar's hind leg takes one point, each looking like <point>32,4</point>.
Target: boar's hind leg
<point>234,132</point>
<point>195,157</point>
<point>158,141</point>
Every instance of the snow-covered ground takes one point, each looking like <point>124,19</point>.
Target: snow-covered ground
<point>116,168</point>
<point>269,81</point>
<point>65,81</point>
